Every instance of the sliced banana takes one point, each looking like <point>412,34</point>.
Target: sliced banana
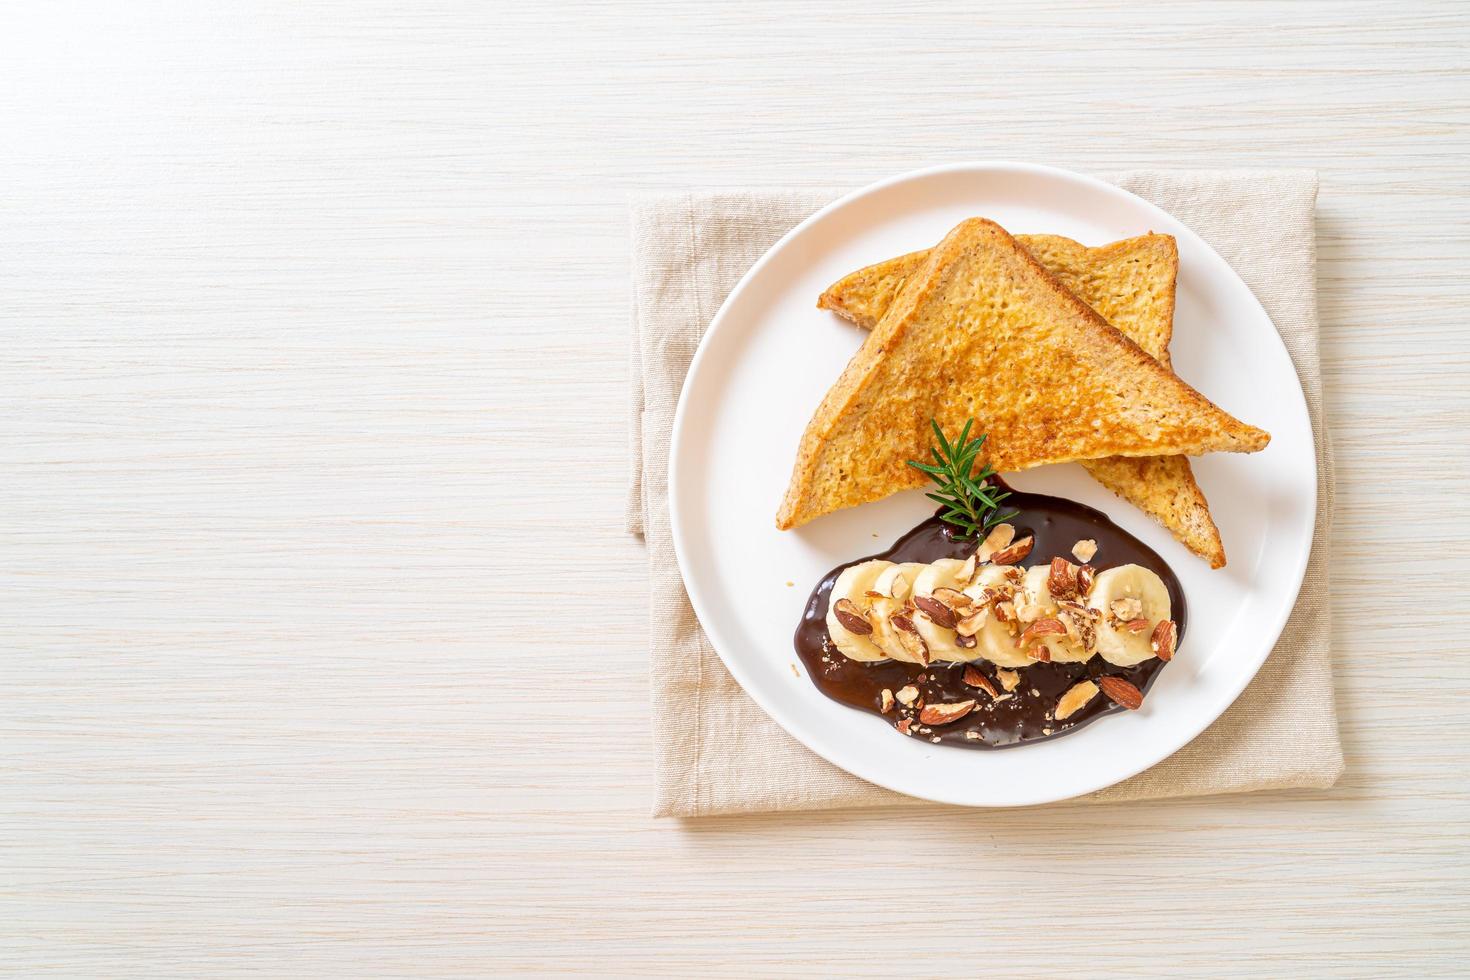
<point>895,584</point>
<point>880,589</point>
<point>897,581</point>
<point>994,641</point>
<point>1036,602</point>
<point>942,641</point>
<point>1129,586</point>
<point>853,584</point>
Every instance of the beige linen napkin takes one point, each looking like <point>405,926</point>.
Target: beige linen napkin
<point>717,752</point>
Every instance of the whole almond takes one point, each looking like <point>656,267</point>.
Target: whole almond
<point>974,678</point>
<point>1122,692</point>
<point>943,714</point>
<point>937,611</point>
<point>851,617</point>
<point>1166,635</point>
<point>1013,553</point>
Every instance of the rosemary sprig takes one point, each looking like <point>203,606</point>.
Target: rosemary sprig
<point>972,504</point>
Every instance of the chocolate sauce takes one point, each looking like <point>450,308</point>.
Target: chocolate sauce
<point>1026,716</point>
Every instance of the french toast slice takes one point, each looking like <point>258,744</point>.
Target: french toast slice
<point>1131,284</point>
<point>982,330</point>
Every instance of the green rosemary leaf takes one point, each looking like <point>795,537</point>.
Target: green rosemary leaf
<point>976,490</point>
<point>944,447</point>
<point>971,503</point>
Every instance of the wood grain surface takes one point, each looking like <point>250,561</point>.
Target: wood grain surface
<point>312,455</point>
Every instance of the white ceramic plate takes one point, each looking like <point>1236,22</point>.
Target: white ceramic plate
<point>769,357</point>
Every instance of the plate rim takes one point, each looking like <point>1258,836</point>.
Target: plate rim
<point>676,484</point>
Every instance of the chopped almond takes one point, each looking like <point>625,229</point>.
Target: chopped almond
<point>1013,553</point>
<point>1043,627</point>
<point>998,539</point>
<point>851,617</point>
<point>1126,608</point>
<point>943,714</point>
<point>1061,580</point>
<point>1165,636</point>
<point>974,678</point>
<point>938,612</point>
<point>1076,698</point>
<point>971,624</point>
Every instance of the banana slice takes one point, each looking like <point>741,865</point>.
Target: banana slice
<point>853,585</point>
<point>941,640</point>
<point>1134,592</point>
<point>1036,602</point>
<point>897,581</point>
<point>880,590</point>
<point>896,584</point>
<point>994,641</point>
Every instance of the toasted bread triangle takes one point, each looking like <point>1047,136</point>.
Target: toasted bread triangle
<point>1131,284</point>
<point>983,330</point>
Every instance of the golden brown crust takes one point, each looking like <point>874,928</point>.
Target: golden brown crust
<point>1164,488</point>
<point>1132,284</point>
<point>981,329</point>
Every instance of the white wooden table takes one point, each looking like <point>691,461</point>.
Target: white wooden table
<point>312,460</point>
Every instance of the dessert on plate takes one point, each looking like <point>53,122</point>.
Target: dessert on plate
<point>988,627</point>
